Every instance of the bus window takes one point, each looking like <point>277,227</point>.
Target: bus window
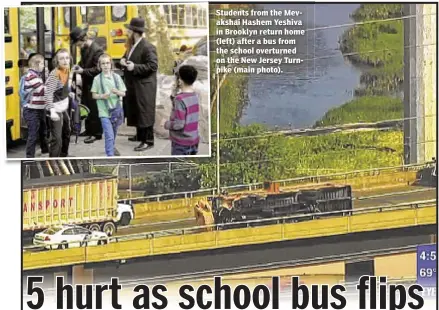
<point>118,13</point>
<point>202,17</point>
<point>181,14</point>
<point>28,31</point>
<point>48,30</point>
<point>7,21</point>
<point>174,15</point>
<point>167,14</point>
<point>95,15</point>
<point>188,15</point>
<point>66,13</point>
<point>194,17</point>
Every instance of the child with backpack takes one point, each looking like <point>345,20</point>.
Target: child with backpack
<point>33,105</point>
<point>108,90</point>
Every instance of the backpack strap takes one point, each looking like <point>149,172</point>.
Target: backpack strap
<point>101,76</point>
<point>116,82</point>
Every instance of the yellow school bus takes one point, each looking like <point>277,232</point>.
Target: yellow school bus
<point>13,131</point>
<point>106,24</point>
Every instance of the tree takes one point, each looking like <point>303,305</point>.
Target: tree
<point>157,34</point>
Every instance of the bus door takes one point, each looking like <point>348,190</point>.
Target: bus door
<point>36,36</point>
<point>106,26</point>
<point>62,27</point>
<point>12,75</point>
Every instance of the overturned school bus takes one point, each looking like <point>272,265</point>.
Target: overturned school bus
<point>275,203</point>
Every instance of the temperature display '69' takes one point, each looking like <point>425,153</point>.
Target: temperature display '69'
<point>426,265</point>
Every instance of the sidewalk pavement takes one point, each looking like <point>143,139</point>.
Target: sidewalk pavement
<point>162,147</point>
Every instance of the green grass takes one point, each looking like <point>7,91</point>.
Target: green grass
<point>364,109</point>
<point>279,157</point>
<point>379,45</point>
<point>377,11</point>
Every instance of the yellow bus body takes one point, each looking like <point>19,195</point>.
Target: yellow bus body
<point>12,102</point>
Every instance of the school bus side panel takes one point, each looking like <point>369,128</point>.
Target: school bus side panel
<point>62,28</point>
<point>13,115</point>
<point>75,203</point>
<point>117,32</point>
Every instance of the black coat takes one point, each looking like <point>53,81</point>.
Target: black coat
<point>141,84</point>
<point>89,61</point>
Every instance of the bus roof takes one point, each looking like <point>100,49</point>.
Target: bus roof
<point>65,179</point>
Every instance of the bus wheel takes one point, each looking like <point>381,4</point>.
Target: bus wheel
<point>109,228</point>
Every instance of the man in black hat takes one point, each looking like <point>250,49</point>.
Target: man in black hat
<point>140,70</point>
<point>88,68</point>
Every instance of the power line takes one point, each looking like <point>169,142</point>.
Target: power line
<point>351,24</point>
<point>341,54</point>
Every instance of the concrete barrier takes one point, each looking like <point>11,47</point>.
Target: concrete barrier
<point>167,210</point>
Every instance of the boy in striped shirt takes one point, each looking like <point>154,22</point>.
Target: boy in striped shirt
<point>34,112</point>
<point>183,122</point>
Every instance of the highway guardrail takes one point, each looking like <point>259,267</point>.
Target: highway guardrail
<point>316,179</point>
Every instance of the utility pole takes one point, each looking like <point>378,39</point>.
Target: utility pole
<point>420,71</point>
<point>218,134</point>
<point>410,84</point>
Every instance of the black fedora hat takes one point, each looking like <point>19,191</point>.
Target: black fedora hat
<point>78,34</point>
<point>136,24</point>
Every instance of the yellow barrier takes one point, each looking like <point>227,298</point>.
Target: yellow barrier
<point>426,216</point>
<point>391,219</point>
<point>396,266</point>
<point>236,237</point>
<point>167,210</point>
<point>316,228</point>
<point>119,250</point>
<point>36,260</point>
<point>245,236</point>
